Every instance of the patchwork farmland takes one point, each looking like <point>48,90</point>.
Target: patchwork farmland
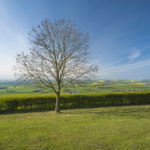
<point>97,86</point>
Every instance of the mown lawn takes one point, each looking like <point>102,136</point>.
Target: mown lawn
<point>111,128</point>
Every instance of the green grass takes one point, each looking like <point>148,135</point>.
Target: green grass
<point>111,128</point>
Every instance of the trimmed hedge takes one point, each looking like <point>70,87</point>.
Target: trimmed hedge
<point>13,103</point>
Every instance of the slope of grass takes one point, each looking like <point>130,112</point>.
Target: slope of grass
<point>111,128</point>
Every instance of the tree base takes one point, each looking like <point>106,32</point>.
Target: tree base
<point>57,111</point>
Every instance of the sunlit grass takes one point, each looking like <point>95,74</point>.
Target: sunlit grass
<point>111,128</point>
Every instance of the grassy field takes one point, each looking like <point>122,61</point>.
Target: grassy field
<point>111,128</point>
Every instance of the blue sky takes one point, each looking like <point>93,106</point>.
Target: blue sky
<point>119,32</point>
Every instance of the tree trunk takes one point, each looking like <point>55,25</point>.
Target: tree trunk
<point>57,107</point>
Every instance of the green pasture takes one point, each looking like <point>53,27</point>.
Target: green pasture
<point>87,87</point>
<point>109,128</point>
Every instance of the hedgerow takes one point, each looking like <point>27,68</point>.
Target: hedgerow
<point>13,103</point>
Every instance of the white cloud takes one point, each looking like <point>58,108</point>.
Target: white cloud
<point>135,54</point>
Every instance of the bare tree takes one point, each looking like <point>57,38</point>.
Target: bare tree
<point>58,55</point>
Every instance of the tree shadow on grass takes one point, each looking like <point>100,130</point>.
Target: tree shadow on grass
<point>136,111</point>
<point>142,111</point>
<point>24,111</point>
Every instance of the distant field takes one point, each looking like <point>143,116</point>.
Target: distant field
<point>98,86</point>
<point>111,128</point>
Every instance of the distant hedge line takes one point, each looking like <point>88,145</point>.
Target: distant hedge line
<point>15,103</point>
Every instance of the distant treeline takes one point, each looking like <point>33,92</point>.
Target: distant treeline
<point>15,103</point>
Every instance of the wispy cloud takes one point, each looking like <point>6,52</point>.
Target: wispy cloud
<point>134,55</point>
<point>127,71</point>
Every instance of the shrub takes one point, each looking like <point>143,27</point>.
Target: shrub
<point>13,103</point>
